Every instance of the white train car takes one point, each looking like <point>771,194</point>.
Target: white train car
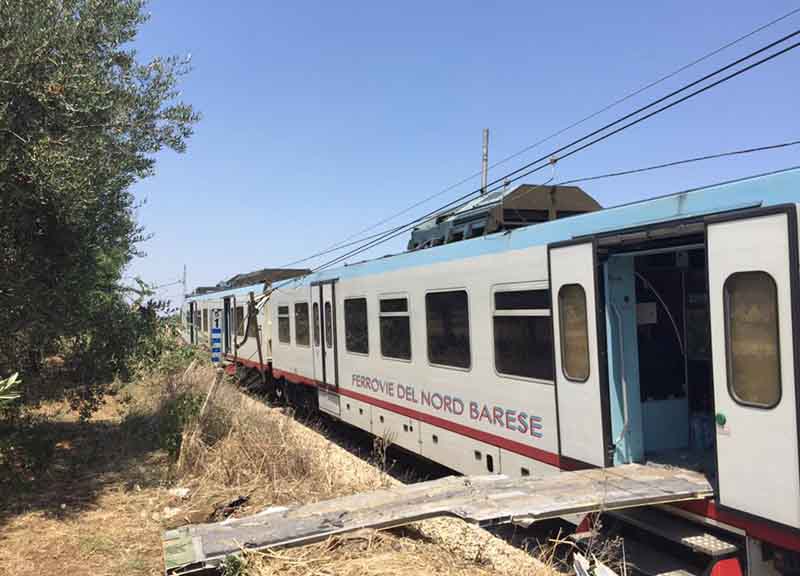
<point>661,331</point>
<point>244,323</point>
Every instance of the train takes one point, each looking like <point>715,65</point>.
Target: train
<point>660,331</point>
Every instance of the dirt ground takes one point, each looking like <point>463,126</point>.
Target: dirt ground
<point>108,492</point>
<point>94,510</point>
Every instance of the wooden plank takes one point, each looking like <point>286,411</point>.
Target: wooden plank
<point>482,500</point>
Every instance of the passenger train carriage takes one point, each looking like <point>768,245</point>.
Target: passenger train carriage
<point>661,331</point>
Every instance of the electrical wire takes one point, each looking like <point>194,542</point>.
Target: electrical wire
<point>652,84</point>
<point>680,162</point>
<point>528,168</point>
<point>531,167</point>
<point>747,68</point>
<point>160,286</point>
<point>344,243</point>
<point>553,156</point>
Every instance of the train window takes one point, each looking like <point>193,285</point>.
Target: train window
<point>240,320</point>
<point>523,334</point>
<point>355,325</point>
<point>522,300</point>
<point>751,313</point>
<point>315,323</point>
<point>328,325</point>
<point>284,328</point>
<point>395,329</point>
<point>197,319</point>
<point>447,319</point>
<point>301,323</point>
<point>252,321</point>
<point>574,332</point>
<point>205,320</point>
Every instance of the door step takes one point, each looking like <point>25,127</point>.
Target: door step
<point>678,530</point>
<point>644,559</point>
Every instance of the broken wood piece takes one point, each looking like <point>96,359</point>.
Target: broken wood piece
<point>481,500</point>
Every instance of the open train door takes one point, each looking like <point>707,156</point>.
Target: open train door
<point>582,400</point>
<point>325,345</point>
<point>752,281</point>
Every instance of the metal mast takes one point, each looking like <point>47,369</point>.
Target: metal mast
<point>485,161</point>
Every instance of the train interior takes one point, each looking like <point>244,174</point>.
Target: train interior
<point>659,353</point>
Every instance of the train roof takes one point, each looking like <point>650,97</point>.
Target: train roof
<point>762,190</point>
<point>239,290</point>
<point>245,283</point>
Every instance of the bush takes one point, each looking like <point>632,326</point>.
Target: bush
<point>178,412</point>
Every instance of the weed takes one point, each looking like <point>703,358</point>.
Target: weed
<point>234,566</point>
<point>179,410</point>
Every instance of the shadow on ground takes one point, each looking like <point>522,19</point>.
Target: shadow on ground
<point>60,466</point>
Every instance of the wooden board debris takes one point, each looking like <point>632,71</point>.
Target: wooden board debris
<point>481,500</point>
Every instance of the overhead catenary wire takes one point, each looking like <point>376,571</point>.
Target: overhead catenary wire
<point>556,155</point>
<point>160,286</point>
<point>680,162</point>
<point>395,232</point>
<point>646,87</point>
<point>532,167</point>
<point>344,243</point>
<point>764,60</point>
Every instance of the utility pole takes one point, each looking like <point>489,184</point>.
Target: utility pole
<point>183,282</point>
<point>485,162</point>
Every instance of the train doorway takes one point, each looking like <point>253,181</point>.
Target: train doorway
<point>659,356</point>
<point>700,353</point>
<point>325,341</point>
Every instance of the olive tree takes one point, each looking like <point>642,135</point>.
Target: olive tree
<point>81,118</point>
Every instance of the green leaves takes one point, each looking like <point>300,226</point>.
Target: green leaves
<point>81,119</point>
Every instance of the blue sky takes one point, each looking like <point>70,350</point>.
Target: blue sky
<point>321,118</point>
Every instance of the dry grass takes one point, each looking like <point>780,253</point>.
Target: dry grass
<point>110,492</point>
<point>242,448</point>
<point>366,552</point>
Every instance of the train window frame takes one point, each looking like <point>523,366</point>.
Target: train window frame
<point>205,319</point>
<point>280,315</point>
<point>729,371</point>
<point>315,328</point>
<point>352,298</point>
<point>238,313</point>
<point>396,314</point>
<point>307,343</point>
<point>470,356</point>
<point>536,285</point>
<point>252,311</point>
<point>329,320</point>
<point>561,334</point>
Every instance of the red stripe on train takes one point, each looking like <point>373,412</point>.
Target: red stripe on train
<point>517,447</point>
